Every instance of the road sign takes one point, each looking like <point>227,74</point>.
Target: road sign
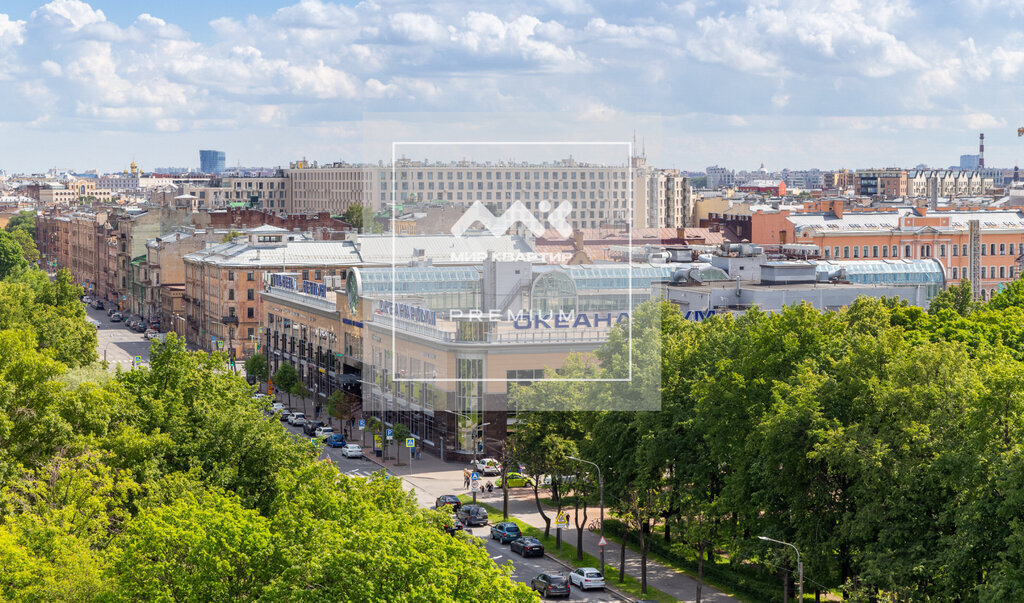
<point>389,434</point>
<point>362,424</point>
<point>475,477</point>
<point>562,520</point>
<point>410,442</point>
<point>138,359</point>
<point>603,542</point>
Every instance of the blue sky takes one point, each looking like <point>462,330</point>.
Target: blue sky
<point>801,83</point>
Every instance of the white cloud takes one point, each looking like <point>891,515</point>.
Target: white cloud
<point>69,14</point>
<point>632,36</point>
<point>571,7</point>
<point>51,68</point>
<point>417,27</point>
<point>780,100</point>
<point>735,120</point>
<point>978,121</point>
<point>12,33</point>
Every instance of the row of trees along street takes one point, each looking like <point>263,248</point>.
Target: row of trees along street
<point>884,441</point>
<point>168,482</point>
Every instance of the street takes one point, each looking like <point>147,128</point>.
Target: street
<point>117,343</point>
<point>524,570</point>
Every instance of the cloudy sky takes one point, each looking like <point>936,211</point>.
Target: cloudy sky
<point>802,83</point>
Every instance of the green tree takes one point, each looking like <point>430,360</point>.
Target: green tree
<point>356,215</point>
<point>12,258</point>
<point>401,432</point>
<point>208,548</point>
<point>230,235</point>
<point>958,298</point>
<point>28,246</point>
<point>256,365</point>
<point>285,379</point>
<point>23,220</point>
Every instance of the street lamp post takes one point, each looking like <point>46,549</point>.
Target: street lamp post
<point>600,486</point>
<point>799,564</point>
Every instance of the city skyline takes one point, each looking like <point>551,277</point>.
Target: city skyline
<point>798,84</point>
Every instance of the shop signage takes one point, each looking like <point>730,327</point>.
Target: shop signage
<point>314,288</point>
<point>283,281</point>
<point>407,311</point>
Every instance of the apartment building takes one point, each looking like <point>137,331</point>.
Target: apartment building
<point>260,192</point>
<point>837,180</point>
<point>950,183</point>
<point>888,183</point>
<point>669,201</point>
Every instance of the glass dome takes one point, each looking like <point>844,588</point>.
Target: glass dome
<point>553,292</point>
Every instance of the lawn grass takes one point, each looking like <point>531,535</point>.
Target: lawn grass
<point>567,553</point>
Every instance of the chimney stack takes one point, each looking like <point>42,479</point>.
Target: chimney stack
<point>981,151</point>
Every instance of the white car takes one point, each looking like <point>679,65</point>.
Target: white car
<point>488,467</point>
<point>352,451</point>
<point>586,578</point>
<point>277,407</point>
<point>297,419</point>
<point>323,432</point>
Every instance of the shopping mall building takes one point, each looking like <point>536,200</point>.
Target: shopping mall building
<point>438,348</point>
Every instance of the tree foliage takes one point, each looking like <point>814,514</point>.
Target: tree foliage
<point>168,483</point>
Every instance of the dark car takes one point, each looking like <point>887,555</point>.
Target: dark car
<point>140,327</point>
<point>98,304</point>
<point>453,525</point>
<point>287,412</point>
<point>505,532</point>
<point>111,310</point>
<point>550,585</point>
<point>472,515</point>
<point>528,547</point>
<point>335,440</point>
<point>309,428</point>
<point>115,317</point>
<point>450,500</point>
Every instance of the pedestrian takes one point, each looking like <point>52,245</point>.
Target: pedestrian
<point>490,487</point>
<point>465,478</point>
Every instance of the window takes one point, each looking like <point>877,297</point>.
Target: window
<point>983,248</point>
<point>895,254</point>
<point>250,332</point>
<point>250,276</point>
<point>1002,249</point>
<point>907,251</point>
<point>827,252</point>
<point>835,252</point>
<point>1002,272</point>
<point>942,251</point>
<point>250,313</point>
<point>954,273</point>
<point>231,294</point>
<point>316,275</point>
<point>963,250</point>
<point>885,251</point>
<point>250,294</point>
<point>231,275</point>
<point>956,250</point>
<point>305,275</point>
<point>846,251</point>
<point>926,251</point>
<point>1011,248</point>
<point>874,251</point>
<point>856,251</point>
<point>992,248</point>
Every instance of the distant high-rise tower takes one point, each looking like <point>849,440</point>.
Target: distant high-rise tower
<point>981,152</point>
<point>212,162</point>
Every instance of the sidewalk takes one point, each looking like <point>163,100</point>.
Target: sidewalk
<point>432,477</point>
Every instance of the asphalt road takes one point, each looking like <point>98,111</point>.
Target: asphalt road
<point>524,568</point>
<point>117,343</point>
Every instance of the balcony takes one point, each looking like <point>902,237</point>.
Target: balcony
<point>229,320</point>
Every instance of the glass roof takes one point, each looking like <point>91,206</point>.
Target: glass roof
<point>888,271</point>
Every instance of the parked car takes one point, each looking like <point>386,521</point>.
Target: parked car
<point>352,451</point>
<point>528,547</point>
<point>324,431</point>
<point>98,304</point>
<point>454,525</point>
<point>297,419</point>
<point>448,500</point>
<point>587,578</point>
<point>505,532</point>
<point>335,440</point>
<point>309,427</point>
<point>551,585</point>
<point>116,317</point>
<point>285,414</point>
<point>515,480</point>
<point>151,333</point>
<point>488,466</point>
<point>111,310</point>
<point>472,515</point>
<point>276,407</point>
<point>86,299</point>
<point>140,327</point>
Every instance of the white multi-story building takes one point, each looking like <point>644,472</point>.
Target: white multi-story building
<point>133,181</point>
<point>951,183</point>
<point>720,177</point>
<point>669,200</point>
